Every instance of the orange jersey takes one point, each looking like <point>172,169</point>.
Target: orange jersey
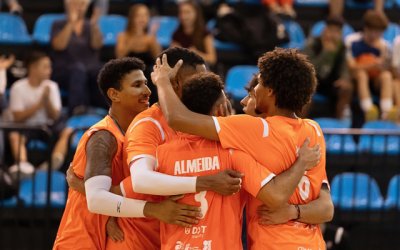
<point>220,227</point>
<point>274,142</point>
<point>79,228</point>
<point>146,132</point>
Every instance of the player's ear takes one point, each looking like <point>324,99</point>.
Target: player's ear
<point>177,85</point>
<point>113,94</point>
<point>270,91</point>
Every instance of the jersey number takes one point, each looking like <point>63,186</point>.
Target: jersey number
<point>304,188</point>
<point>201,197</point>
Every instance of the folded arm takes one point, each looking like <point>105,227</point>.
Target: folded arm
<point>317,211</point>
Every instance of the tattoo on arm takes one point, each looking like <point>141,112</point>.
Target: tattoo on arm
<point>100,151</point>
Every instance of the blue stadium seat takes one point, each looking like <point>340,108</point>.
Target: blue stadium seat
<point>317,98</point>
<point>38,184</point>
<point>237,78</point>
<point>398,3</point>
<point>167,27</point>
<point>81,123</point>
<point>391,32</point>
<point>37,145</point>
<point>318,27</point>
<point>11,202</point>
<point>13,30</point>
<point>357,5</point>
<point>337,144</point>
<point>296,35</point>
<point>311,3</point>
<point>356,191</point>
<point>220,45</point>
<point>111,26</point>
<point>42,28</point>
<point>379,144</point>
<point>393,195</point>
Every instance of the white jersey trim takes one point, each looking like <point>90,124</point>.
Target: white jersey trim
<point>266,127</point>
<point>316,128</point>
<point>268,179</point>
<point>216,123</point>
<point>327,183</point>
<point>149,119</point>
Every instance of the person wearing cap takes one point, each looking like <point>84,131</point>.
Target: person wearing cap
<point>327,53</point>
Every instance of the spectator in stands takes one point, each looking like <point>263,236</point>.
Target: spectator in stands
<point>76,43</point>
<point>368,59</point>
<point>336,6</point>
<point>101,6</point>
<point>192,32</point>
<point>13,6</point>
<point>34,100</point>
<point>396,72</point>
<point>137,42</point>
<point>5,63</point>
<point>284,7</point>
<point>327,53</point>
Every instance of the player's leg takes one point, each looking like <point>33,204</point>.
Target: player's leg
<point>387,93</point>
<point>364,94</point>
<point>344,94</point>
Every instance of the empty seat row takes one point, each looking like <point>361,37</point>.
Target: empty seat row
<point>368,143</point>
<point>360,192</point>
<point>33,191</point>
<point>350,191</point>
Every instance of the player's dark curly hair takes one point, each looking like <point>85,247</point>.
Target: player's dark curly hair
<point>114,71</point>
<point>291,77</point>
<point>189,58</point>
<point>252,84</point>
<point>201,91</point>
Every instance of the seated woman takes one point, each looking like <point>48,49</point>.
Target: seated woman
<point>135,41</point>
<point>192,32</point>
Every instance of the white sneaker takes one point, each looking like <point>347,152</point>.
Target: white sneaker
<point>25,169</point>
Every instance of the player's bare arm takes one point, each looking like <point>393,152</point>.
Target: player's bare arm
<point>317,211</point>
<point>277,192</point>
<point>100,151</point>
<point>178,116</point>
<point>113,230</point>
<point>74,181</point>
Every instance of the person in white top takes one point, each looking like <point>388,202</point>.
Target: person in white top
<point>34,100</point>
